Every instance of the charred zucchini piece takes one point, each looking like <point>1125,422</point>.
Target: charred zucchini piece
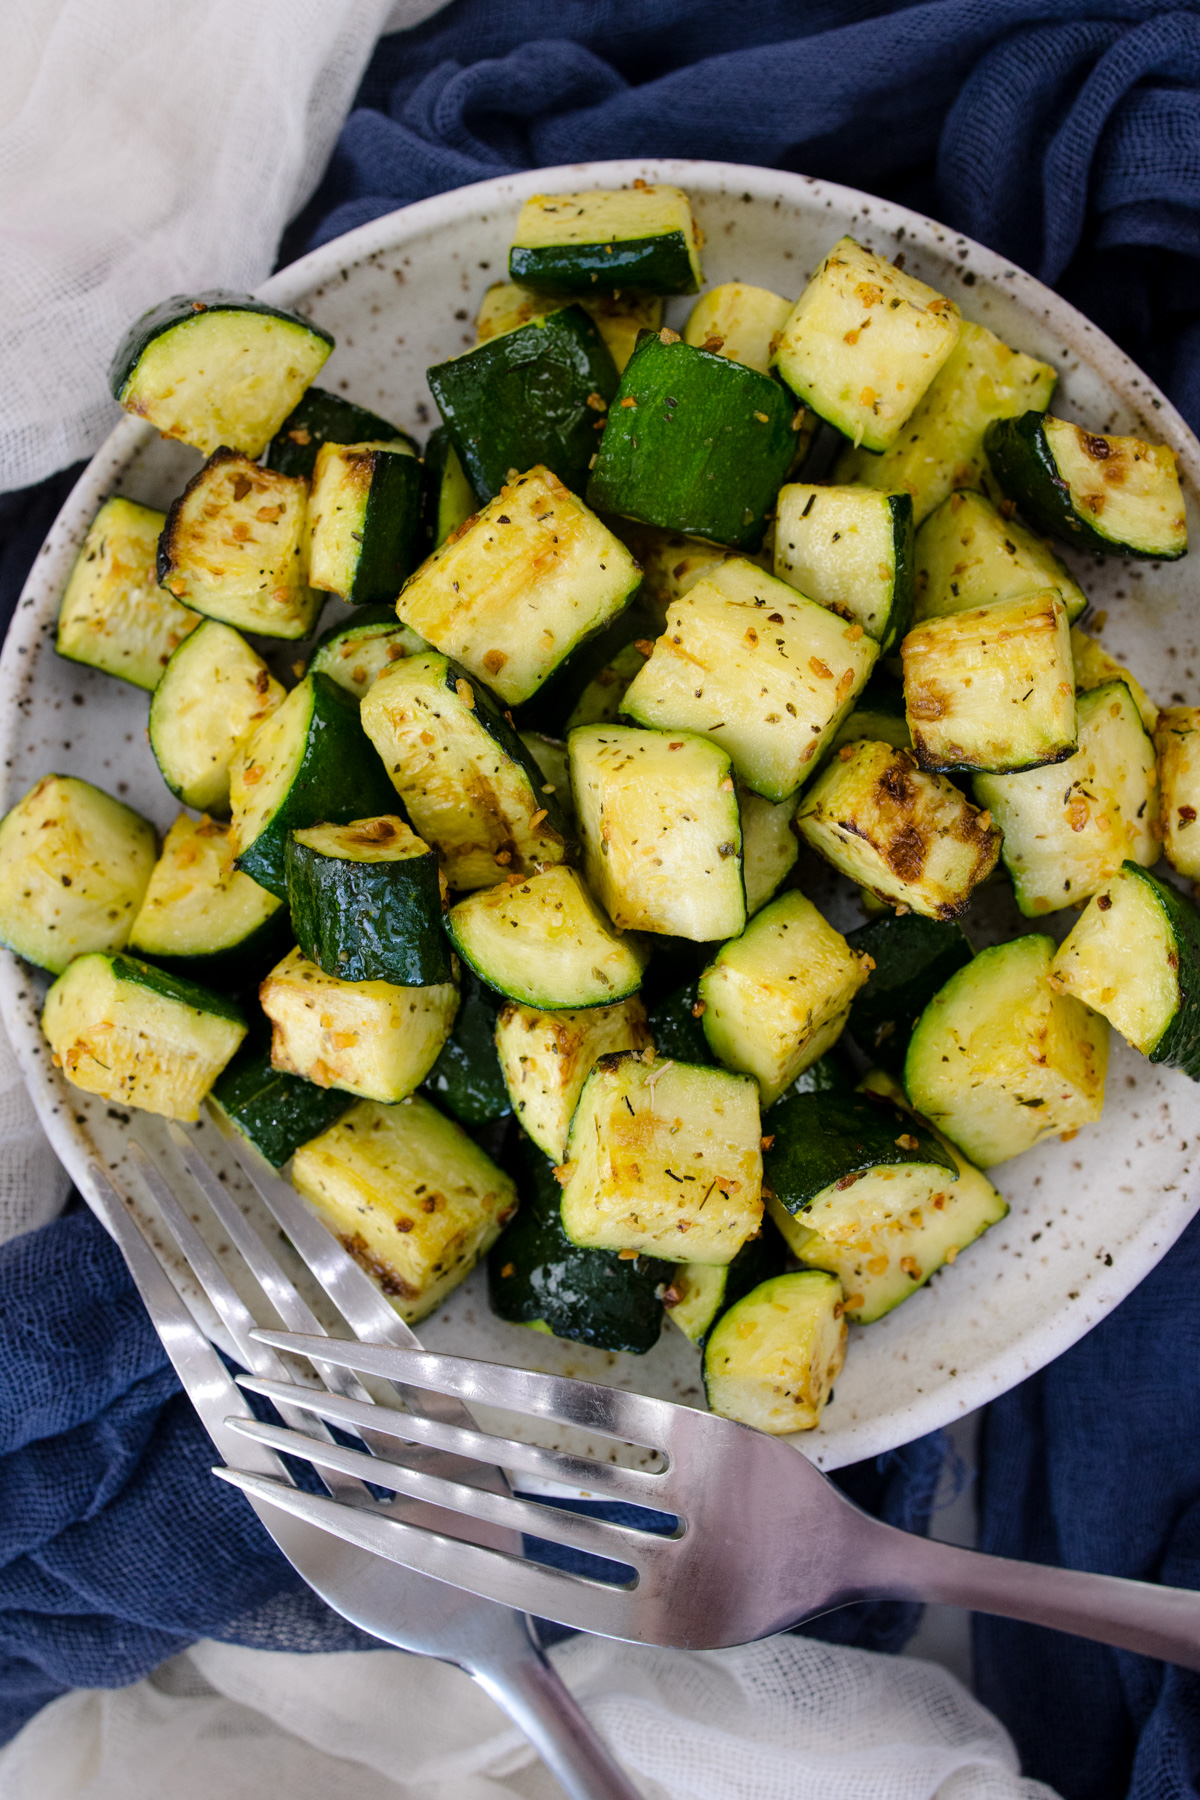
<point>1067,829</point>
<point>851,548</point>
<point>699,1293</point>
<point>863,343</point>
<point>274,1112</point>
<point>759,669</point>
<point>467,1080</point>
<point>449,499</point>
<point>356,651</point>
<point>217,368</point>
<point>606,240</point>
<point>738,321</point>
<point>325,418</point>
<point>1000,1060</point>
<point>215,693</point>
<point>661,829</point>
<point>137,1036</point>
<point>1177,740</point>
<point>1116,495</point>
<point>774,1357</point>
<point>74,868</point>
<point>366,902</point>
<point>769,846</point>
<point>372,1038</point>
<point>1094,666</point>
<point>776,998</point>
<point>527,580</point>
<point>409,1195</point>
<point>994,688</point>
<point>200,917</point>
<point>617,317</point>
<point>912,958</point>
<point>968,554</point>
<point>467,781</point>
<point>544,943</point>
<point>908,836</point>
<point>663,1159</point>
<point>114,616</point>
<point>547,1056</point>
<point>235,548</point>
<point>364,520</point>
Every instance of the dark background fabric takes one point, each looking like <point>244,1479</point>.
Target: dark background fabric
<point>1064,134</point>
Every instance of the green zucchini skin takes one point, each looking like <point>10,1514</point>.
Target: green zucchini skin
<point>390,540</point>
<point>821,1138</point>
<point>913,958</point>
<point>656,265</point>
<point>177,310</point>
<point>325,418</point>
<point>175,987</point>
<point>676,1030</point>
<point>702,447</point>
<point>832,1073</point>
<point>369,921</point>
<point>537,1276</point>
<point>1179,1045</point>
<point>467,1080</point>
<point>521,399</point>
<point>273,1111</point>
<point>550,708</point>
<point>448,500</point>
<point>904,581</point>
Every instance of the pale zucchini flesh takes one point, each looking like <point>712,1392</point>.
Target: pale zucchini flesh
<point>544,942</point>
<point>1094,666</point>
<point>772,1360</point>
<point>769,846</point>
<point>547,1056</point>
<point>356,653</point>
<point>851,548</point>
<point>1177,740</point>
<point>114,616</point>
<point>969,554</point>
<point>1125,489</point>
<point>738,321</point>
<point>198,904</point>
<point>215,693</point>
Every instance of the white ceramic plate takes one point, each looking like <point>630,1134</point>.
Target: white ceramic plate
<point>1089,1218</point>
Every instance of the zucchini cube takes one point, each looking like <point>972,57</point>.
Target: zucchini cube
<point>778,997</point>
<point>1119,496</point>
<point>235,548</point>
<point>137,1036</point>
<point>467,781</point>
<point>357,650</point>
<point>1094,666</point>
<point>740,322</point>
<point>1067,829</point>
<point>409,1195</point>
<point>214,694</point>
<point>74,868</point>
<point>993,688</point>
<point>1177,740</point>
<point>911,957</point>
<point>617,317</point>
<point>325,418</point>
<point>759,669</point>
<point>371,1038</point>
<point>524,582</point>
<point>661,830</point>
<point>699,1293</point>
<point>608,239</point>
<point>364,520</point>
<point>851,548</point>
<point>999,1060</point>
<point>769,845</point>
<point>772,1359</point>
<point>366,902</point>
<point>201,918</point>
<point>114,616</point>
<point>547,1056</point>
<point>863,343</point>
<point>694,442</point>
<point>968,554</point>
<point>663,1159</point>
<point>274,1112</point>
<point>544,942</point>
<point>908,836</point>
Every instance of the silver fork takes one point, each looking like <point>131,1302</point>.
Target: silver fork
<point>761,1541</point>
<point>494,1644</point>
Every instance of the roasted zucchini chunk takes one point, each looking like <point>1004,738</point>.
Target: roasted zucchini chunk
<point>137,1036</point>
<point>663,1159</point>
<point>526,581</point>
<point>217,368</point>
<point>968,554</point>
<point>774,1357</point>
<point>531,397</point>
<point>878,714</point>
<point>1067,829</point>
<point>372,1038</point>
<point>325,418</point>
<point>274,1112</point>
<point>74,868</point>
<point>215,693</point>
<point>1000,1060</point>
<point>910,958</point>
<point>769,846</point>
<point>308,763</point>
<point>1177,740</point>
<point>544,942</point>
<point>364,520</point>
<point>617,317</point>
<point>547,1056</point>
<point>467,1080</point>
<point>606,240</point>
<point>941,447</point>
<point>200,917</point>
<point>235,548</point>
<point>356,651</point>
<point>448,497</point>
<point>738,321</point>
<point>366,902</point>
<point>1094,666</point>
<point>538,1277</point>
<point>994,688</point>
<point>905,834</point>
<point>1116,495</point>
<point>603,699</point>
<point>759,669</point>
<point>776,998</point>
<point>661,830</point>
<point>469,785</point>
<point>672,563</point>
<point>851,548</point>
<point>409,1195</point>
<point>114,616</point>
<point>1134,956</point>
<point>699,1293</point>
<point>863,343</point>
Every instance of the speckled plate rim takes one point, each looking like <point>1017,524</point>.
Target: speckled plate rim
<point>1166,1217</point>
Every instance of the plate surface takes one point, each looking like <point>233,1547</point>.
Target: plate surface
<point>1089,1219</point>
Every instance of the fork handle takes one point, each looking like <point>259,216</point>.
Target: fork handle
<point>537,1700</point>
<point>1163,1622</point>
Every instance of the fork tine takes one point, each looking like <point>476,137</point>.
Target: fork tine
<point>639,1487</point>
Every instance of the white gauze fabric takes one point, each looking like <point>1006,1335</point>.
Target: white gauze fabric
<point>786,1719</point>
